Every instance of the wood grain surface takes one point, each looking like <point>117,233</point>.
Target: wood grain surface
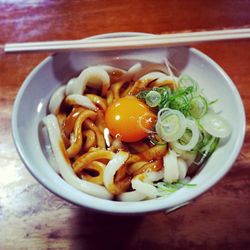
<point>33,218</point>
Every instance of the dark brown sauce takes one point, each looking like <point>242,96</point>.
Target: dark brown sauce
<point>115,76</point>
<point>90,172</point>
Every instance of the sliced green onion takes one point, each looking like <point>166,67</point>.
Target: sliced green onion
<point>168,188</point>
<point>153,98</point>
<point>165,94</point>
<point>211,145</point>
<point>180,103</point>
<point>142,94</point>
<point>191,125</point>
<point>208,149</point>
<point>198,107</point>
<point>215,125</point>
<point>180,100</point>
<point>186,81</point>
<point>212,102</point>
<point>170,125</point>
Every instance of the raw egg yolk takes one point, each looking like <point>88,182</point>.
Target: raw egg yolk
<point>129,119</point>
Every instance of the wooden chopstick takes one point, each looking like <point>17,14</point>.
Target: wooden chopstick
<point>134,42</point>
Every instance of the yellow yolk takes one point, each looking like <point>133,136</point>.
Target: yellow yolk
<point>129,119</point>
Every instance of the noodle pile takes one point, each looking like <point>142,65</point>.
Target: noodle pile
<point>88,157</point>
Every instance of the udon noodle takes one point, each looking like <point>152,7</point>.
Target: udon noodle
<point>96,159</point>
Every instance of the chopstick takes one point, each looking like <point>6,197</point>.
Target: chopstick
<point>134,42</point>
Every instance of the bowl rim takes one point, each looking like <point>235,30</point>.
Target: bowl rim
<point>135,208</point>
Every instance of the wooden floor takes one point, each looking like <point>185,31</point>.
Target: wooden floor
<point>33,218</point>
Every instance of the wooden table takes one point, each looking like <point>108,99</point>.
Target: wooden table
<point>33,218</point>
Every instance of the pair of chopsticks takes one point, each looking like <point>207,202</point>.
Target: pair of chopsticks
<point>134,42</point>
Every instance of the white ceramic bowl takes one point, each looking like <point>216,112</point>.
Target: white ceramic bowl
<point>31,106</point>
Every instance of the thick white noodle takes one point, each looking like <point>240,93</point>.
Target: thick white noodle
<point>152,76</point>
<point>72,86</point>
<point>95,77</point>
<point>171,168</point>
<point>132,71</point>
<point>65,169</point>
<point>48,149</point>
<point>166,78</point>
<point>56,100</point>
<point>81,100</point>
<point>144,188</point>
<point>154,67</point>
<point>182,168</point>
<point>112,167</point>
<point>155,175</point>
<point>111,69</point>
<point>188,156</point>
<point>131,196</point>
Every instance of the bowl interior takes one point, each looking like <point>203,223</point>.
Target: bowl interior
<point>32,101</point>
